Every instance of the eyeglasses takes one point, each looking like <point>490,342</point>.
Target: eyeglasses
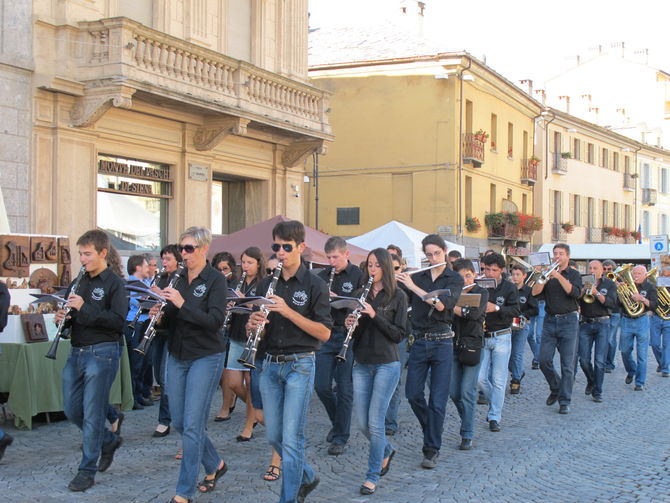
<point>268,270</point>
<point>288,248</point>
<point>188,248</point>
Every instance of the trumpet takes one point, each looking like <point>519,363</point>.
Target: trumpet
<point>342,356</point>
<point>226,320</point>
<point>541,277</point>
<point>248,356</point>
<point>62,331</point>
<point>150,332</point>
<point>589,292</point>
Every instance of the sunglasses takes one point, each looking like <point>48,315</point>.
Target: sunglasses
<point>288,248</point>
<point>188,248</point>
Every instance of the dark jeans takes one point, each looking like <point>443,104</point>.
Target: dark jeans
<point>590,335</point>
<point>338,403</point>
<point>158,356</point>
<point>137,361</point>
<point>560,333</point>
<point>435,356</point>
<point>87,378</point>
<point>615,329</point>
<point>463,391</point>
<point>391,420</point>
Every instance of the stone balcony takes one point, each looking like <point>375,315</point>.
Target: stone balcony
<point>117,58</point>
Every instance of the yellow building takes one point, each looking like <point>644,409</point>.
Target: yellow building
<point>150,116</point>
<point>408,148</point>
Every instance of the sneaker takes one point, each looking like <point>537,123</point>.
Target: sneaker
<point>107,455</point>
<point>552,399</point>
<point>597,398</point>
<point>564,409</point>
<point>336,449</point>
<point>515,387</point>
<point>305,489</point>
<point>389,432</point>
<point>5,441</point>
<point>429,460</point>
<point>665,374</point>
<point>535,365</point>
<point>639,388</point>
<point>494,425</point>
<point>629,379</point>
<point>589,389</point>
<point>466,444</point>
<point>330,436</point>
<point>81,482</point>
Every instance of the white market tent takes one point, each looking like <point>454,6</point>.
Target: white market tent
<point>405,237</point>
<point>597,251</point>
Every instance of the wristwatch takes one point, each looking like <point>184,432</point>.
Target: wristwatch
<point>497,307</point>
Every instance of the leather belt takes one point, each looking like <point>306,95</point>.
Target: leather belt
<point>504,331</point>
<point>594,320</point>
<point>287,358</point>
<point>433,336</point>
<point>562,315</point>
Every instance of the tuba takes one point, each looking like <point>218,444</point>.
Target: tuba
<point>663,309</point>
<point>625,290</point>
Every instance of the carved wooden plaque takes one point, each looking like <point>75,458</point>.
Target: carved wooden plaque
<point>43,250</point>
<point>64,251</point>
<point>44,279</point>
<point>14,256</point>
<point>65,278</point>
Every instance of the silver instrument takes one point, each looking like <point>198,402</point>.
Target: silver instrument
<point>426,268</point>
<point>63,332</point>
<point>342,356</point>
<point>229,313</point>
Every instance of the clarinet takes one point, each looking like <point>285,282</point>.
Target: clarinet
<point>248,356</point>
<point>132,324</point>
<point>342,356</point>
<point>331,278</point>
<point>226,320</point>
<point>150,332</point>
<point>62,331</point>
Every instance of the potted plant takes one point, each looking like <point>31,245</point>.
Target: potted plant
<point>534,161</point>
<point>510,151</point>
<point>512,218</point>
<point>495,222</point>
<point>472,224</point>
<point>636,235</point>
<point>567,227</point>
<point>566,155</point>
<point>493,145</point>
<point>482,136</point>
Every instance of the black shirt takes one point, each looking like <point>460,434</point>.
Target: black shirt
<point>438,321</point>
<point>377,338</point>
<point>194,328</point>
<point>344,283</point>
<point>527,302</point>
<point>469,328</point>
<point>305,293</point>
<point>103,314</point>
<point>4,305</point>
<point>596,309</point>
<point>648,290</point>
<point>555,298</point>
<point>238,322</point>
<point>506,296</point>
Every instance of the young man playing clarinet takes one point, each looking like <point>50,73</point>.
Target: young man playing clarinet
<point>97,317</point>
<point>342,278</point>
<point>432,348</point>
<point>298,322</point>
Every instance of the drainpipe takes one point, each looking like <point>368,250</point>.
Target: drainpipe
<point>637,176</point>
<point>315,176</point>
<point>460,152</point>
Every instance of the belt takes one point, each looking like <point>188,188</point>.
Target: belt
<point>562,315</point>
<point>594,320</point>
<point>433,336</point>
<point>287,358</point>
<point>634,317</point>
<point>504,331</point>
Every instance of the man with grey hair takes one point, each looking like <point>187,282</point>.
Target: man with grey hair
<point>659,334</point>
<point>615,322</point>
<point>635,329</point>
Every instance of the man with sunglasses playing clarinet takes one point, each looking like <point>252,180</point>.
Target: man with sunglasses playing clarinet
<point>298,322</point>
<point>432,347</point>
<point>343,278</point>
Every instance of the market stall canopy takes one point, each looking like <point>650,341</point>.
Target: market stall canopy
<point>261,235</point>
<point>405,237</point>
<point>597,251</point>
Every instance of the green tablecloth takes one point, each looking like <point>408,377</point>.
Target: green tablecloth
<point>35,383</point>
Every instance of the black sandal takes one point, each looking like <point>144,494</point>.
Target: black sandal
<point>273,473</point>
<point>210,484</point>
<point>173,500</point>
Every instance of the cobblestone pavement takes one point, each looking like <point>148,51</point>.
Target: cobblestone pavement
<point>615,451</point>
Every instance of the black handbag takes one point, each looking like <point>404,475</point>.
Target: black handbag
<point>469,356</point>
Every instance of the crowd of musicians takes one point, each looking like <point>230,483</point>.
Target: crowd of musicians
<point>271,331</point>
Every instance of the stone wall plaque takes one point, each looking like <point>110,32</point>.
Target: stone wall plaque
<point>15,256</point>
<point>43,250</point>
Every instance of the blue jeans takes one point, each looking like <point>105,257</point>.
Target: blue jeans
<point>338,403</point>
<point>519,338</point>
<point>158,354</point>
<point>191,385</point>
<point>590,335</point>
<point>373,388</point>
<point>493,373</point>
<point>286,389</point>
<point>635,330</point>
<point>560,333</point>
<point>437,357</point>
<point>137,361</point>
<point>87,378</point>
<point>391,421</point>
<point>660,341</point>
<point>535,332</point>
<point>615,330</point>
<point>463,391</point>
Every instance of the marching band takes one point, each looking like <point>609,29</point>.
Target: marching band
<point>280,331</point>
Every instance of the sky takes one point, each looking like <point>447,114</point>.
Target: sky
<point>524,39</point>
